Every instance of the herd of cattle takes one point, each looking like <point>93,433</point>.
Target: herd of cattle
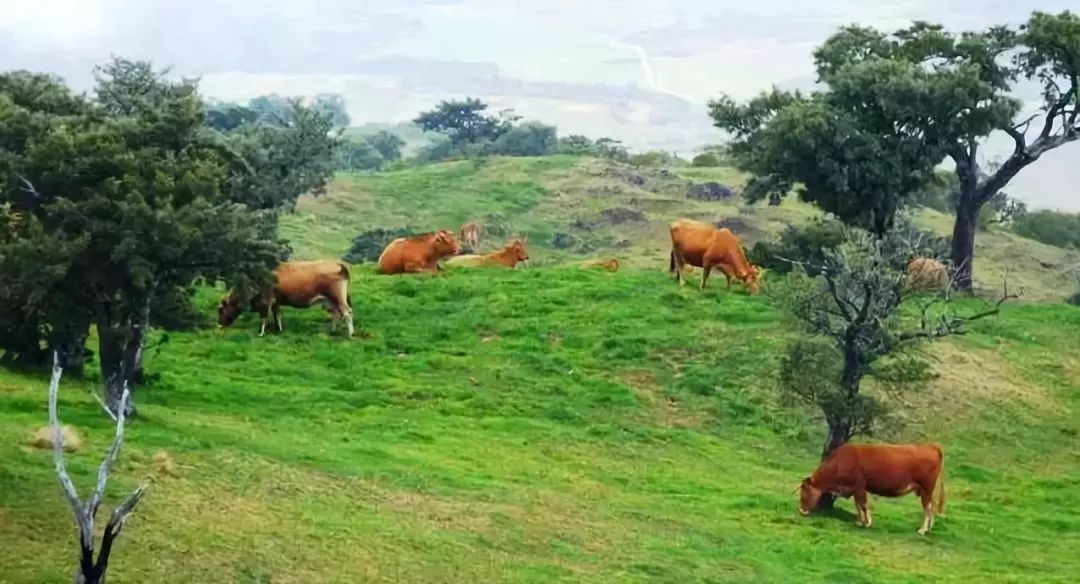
<point>850,470</point>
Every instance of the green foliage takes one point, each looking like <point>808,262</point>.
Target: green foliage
<point>463,122</point>
<point>896,105</point>
<point>576,144</point>
<point>369,245</point>
<point>939,193</point>
<point>227,116</point>
<point>528,139</point>
<point>387,144</point>
<point>854,299</point>
<point>332,106</point>
<point>123,201</point>
<point>359,155</point>
<point>803,245</point>
<point>705,159</point>
<point>655,158</point>
<point>1050,227</point>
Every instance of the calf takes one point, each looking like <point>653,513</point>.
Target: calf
<point>888,470</point>
<point>508,256</point>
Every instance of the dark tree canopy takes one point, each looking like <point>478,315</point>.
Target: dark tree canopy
<point>108,203</point>
<point>895,106</point>
<point>388,144</point>
<point>464,122</point>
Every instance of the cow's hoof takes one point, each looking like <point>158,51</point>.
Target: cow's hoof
<point>924,531</point>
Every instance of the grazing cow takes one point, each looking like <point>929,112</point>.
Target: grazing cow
<point>420,253</point>
<point>470,235</point>
<point>508,256</point>
<point>707,246</point>
<point>299,285</point>
<point>611,265</point>
<point>927,274</point>
<point>888,470</point>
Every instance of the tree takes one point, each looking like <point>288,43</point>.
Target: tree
<point>852,302</point>
<point>118,200</point>
<point>91,570</point>
<point>333,107</point>
<point>528,139</point>
<point>387,143</point>
<point>464,122</point>
<point>577,144</point>
<point>270,107</point>
<point>360,155</point>
<point>612,149</point>
<point>929,94</point>
<point>227,116</point>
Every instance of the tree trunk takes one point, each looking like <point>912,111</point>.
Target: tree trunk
<point>963,241</point>
<point>120,353</point>
<point>70,345</point>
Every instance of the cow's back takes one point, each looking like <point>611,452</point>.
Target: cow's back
<point>299,282</point>
<point>895,468</point>
<point>692,239</point>
<point>392,259</point>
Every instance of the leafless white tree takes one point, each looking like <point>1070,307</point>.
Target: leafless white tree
<point>91,571</point>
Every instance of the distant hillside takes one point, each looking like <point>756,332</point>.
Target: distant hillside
<point>582,207</point>
<point>414,137</point>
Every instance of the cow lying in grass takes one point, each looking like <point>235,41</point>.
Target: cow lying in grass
<point>420,253</point>
<point>509,256</point>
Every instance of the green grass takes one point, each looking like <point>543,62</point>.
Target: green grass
<point>544,424</point>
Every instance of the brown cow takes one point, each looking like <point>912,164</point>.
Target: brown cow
<point>508,256</point>
<point>470,235</point>
<point>611,265</point>
<point>927,274</point>
<point>418,254</point>
<point>299,285</point>
<point>706,246</point>
<point>888,470</point>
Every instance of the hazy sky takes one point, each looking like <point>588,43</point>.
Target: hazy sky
<point>638,70</point>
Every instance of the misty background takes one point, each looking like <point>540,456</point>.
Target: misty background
<point>637,70</point>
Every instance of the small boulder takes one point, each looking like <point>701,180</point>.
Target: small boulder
<point>43,438</point>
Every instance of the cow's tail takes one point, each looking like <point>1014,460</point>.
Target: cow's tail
<point>344,273</point>
<point>939,488</point>
<point>671,262</point>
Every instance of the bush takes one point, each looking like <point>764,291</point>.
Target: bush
<point>805,244</point>
<point>705,159</point>
<point>528,139</point>
<point>655,158</point>
<point>809,244</point>
<point>1050,227</point>
<point>369,245</point>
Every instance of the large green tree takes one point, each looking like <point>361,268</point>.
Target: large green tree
<point>464,122</point>
<point>896,106</point>
<point>107,202</point>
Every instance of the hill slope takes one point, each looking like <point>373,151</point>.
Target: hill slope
<point>574,207</point>
<point>540,425</point>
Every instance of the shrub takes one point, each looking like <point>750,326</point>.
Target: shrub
<point>528,139</point>
<point>369,245</point>
<point>1050,227</point>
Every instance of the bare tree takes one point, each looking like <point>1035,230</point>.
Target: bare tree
<point>91,571</point>
<point>855,304</point>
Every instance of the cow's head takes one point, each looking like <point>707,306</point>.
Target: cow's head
<point>446,244</point>
<point>516,250</point>
<point>229,308</point>
<point>809,495</point>
<point>750,280</point>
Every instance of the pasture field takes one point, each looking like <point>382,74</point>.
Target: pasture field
<point>545,424</point>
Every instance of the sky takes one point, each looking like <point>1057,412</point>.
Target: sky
<point>637,70</point>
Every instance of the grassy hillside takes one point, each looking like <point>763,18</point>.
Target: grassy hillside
<point>542,425</point>
<point>602,209</point>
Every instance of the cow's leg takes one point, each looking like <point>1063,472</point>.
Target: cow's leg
<point>862,508</point>
<point>926,496</point>
<point>706,269</point>
<point>276,310</point>
<point>728,273</point>
<point>341,300</point>
<point>677,262</point>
